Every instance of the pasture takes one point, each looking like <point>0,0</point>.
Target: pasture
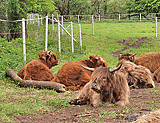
<point>26,104</point>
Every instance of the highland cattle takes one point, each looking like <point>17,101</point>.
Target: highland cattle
<point>75,77</point>
<point>150,60</point>
<point>106,85</point>
<point>137,76</point>
<point>39,69</point>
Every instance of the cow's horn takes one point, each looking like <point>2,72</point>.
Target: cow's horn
<point>115,69</point>
<point>91,69</point>
<point>48,53</point>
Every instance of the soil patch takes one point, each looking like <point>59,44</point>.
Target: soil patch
<point>142,101</point>
<point>129,43</point>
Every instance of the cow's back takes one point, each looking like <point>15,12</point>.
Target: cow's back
<point>36,70</point>
<point>149,60</point>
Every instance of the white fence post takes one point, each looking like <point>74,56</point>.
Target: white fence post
<point>62,24</point>
<point>24,42</point>
<point>80,35</point>
<point>32,18</point>
<point>46,36</point>
<point>52,22</point>
<point>119,17</point>
<point>38,19</point>
<point>72,37</point>
<point>140,16</point>
<point>59,37</point>
<point>41,21</point>
<point>78,18</point>
<point>156,27</point>
<point>92,25</point>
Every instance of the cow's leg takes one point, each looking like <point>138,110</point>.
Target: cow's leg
<point>78,101</point>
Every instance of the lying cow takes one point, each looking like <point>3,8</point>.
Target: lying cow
<point>150,60</point>
<point>73,76</point>
<point>106,85</point>
<point>137,76</point>
<point>39,69</point>
<point>156,75</point>
<point>127,56</point>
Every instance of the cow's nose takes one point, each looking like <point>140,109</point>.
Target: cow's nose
<point>150,86</point>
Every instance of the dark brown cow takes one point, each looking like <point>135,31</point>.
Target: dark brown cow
<point>73,76</point>
<point>127,56</point>
<point>156,75</point>
<point>39,69</point>
<point>150,60</point>
<point>137,76</point>
<point>105,85</point>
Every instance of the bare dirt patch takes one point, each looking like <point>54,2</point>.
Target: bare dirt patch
<point>129,43</point>
<point>142,101</point>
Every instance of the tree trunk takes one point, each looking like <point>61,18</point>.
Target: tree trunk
<point>33,83</point>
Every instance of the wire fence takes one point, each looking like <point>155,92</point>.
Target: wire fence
<point>49,31</point>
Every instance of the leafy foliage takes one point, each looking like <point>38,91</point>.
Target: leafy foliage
<point>42,7</point>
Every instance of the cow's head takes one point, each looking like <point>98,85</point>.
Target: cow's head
<point>49,58</point>
<point>97,61</point>
<point>127,56</point>
<point>102,77</point>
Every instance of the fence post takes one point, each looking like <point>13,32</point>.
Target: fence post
<point>80,35</point>
<point>32,18</point>
<point>99,17</point>
<point>59,37</point>
<point>41,21</point>
<point>52,22</point>
<point>92,25</point>
<point>38,19</point>
<point>24,42</point>
<point>140,16</point>
<point>62,24</point>
<point>156,27</point>
<point>78,18</point>
<point>119,17</point>
<point>46,36</point>
<point>72,36</point>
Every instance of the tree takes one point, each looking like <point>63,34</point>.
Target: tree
<point>43,7</point>
<point>68,7</point>
<point>16,10</point>
<point>146,6</point>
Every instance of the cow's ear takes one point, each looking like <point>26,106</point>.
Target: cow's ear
<point>91,57</point>
<point>41,55</point>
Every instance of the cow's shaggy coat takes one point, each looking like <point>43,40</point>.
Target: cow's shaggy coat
<point>150,60</point>
<point>39,69</point>
<point>137,76</point>
<point>105,86</point>
<point>73,76</point>
<point>127,56</point>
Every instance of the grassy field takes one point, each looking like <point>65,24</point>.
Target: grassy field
<point>16,100</point>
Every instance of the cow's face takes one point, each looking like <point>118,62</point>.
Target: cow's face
<point>101,78</point>
<point>49,57</point>
<point>98,61</point>
<point>127,56</point>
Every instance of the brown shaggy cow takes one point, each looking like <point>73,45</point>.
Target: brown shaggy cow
<point>152,117</point>
<point>156,75</point>
<point>105,85</point>
<point>137,76</point>
<point>39,69</point>
<point>73,76</point>
<point>127,56</point>
<point>150,60</point>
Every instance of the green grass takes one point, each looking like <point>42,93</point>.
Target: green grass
<point>16,100</point>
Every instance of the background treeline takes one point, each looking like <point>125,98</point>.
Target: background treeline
<point>17,9</point>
